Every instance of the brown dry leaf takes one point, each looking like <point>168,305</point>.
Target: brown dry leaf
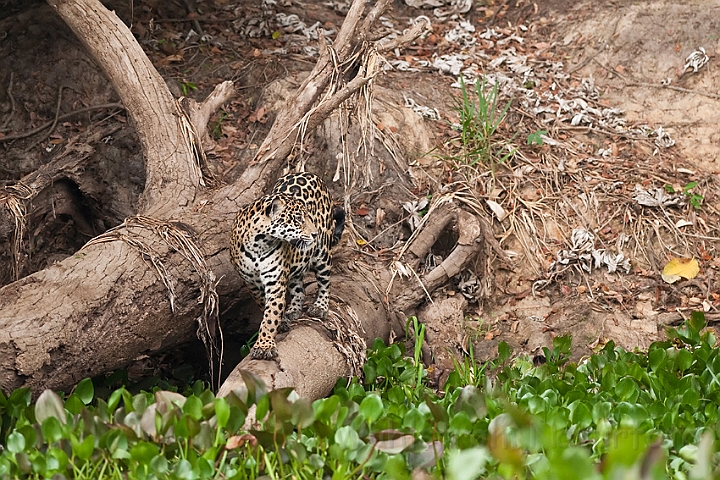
<point>680,268</point>
<point>257,115</point>
<point>240,440</point>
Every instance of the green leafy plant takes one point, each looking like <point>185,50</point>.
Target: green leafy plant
<point>216,130</point>
<point>481,113</point>
<point>535,138</point>
<point>695,199</point>
<point>187,87</point>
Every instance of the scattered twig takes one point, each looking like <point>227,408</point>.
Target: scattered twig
<point>12,103</point>
<point>673,87</point>
<point>632,83</point>
<point>42,127</point>
<point>54,123</point>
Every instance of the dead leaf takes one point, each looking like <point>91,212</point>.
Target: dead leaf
<point>680,268</point>
<point>240,440</point>
<point>257,115</point>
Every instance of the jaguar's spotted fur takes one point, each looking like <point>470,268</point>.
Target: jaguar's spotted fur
<point>275,240</point>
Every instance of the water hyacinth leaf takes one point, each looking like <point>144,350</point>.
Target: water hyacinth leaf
<point>414,419</point>
<point>38,463</point>
<point>263,407</point>
<point>239,397</point>
<point>184,470</point>
<point>428,457</point>
<point>83,449</point>
<point>204,468</point>
<point>222,412</point>
<point>347,438</point>
<point>396,445</point>
<point>437,411</point>
<point>165,401</point>
<point>186,427</point>
<point>159,465</point>
<point>23,462</point>
<point>114,400</point>
<point>52,430</point>
<point>144,452</point>
<point>205,438</point>
<point>467,464</point>
<point>85,390</point>
<point>371,408</point>
<point>601,410</point>
<point>255,386</point>
<point>325,408</point>
<point>20,398</point>
<point>149,420</point>
<point>49,404</point>
<point>281,406</point>
<point>74,404</point>
<point>396,468</point>
<point>139,403</point>
<point>575,462</point>
<point>460,424</point>
<point>685,360</point>
<point>60,457</point>
<point>302,414</point>
<point>580,414</point>
<point>193,407</point>
<point>626,389</point>
<point>15,442</point>
<point>472,402</point>
<point>656,359</point>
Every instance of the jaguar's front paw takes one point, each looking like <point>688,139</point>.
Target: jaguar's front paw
<point>291,314</point>
<point>264,352</point>
<point>284,325</point>
<point>317,312</point>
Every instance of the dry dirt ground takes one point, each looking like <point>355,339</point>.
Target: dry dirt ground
<point>560,58</point>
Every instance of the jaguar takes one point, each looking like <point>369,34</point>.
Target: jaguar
<point>275,241</point>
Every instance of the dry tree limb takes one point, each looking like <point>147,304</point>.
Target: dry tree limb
<point>469,244</point>
<point>172,172</point>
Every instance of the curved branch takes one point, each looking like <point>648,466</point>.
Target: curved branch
<point>172,178</point>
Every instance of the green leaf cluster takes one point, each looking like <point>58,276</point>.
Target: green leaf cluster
<point>481,113</point>
<point>614,415</point>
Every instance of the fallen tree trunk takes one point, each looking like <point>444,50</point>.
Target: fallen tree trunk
<point>147,284</point>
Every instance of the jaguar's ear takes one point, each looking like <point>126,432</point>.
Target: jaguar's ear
<point>275,207</point>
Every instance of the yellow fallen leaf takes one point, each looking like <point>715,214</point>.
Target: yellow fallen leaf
<point>680,268</point>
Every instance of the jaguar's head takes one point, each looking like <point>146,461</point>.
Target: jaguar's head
<point>290,221</point>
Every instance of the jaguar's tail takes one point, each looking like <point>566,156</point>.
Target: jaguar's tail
<point>339,216</point>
